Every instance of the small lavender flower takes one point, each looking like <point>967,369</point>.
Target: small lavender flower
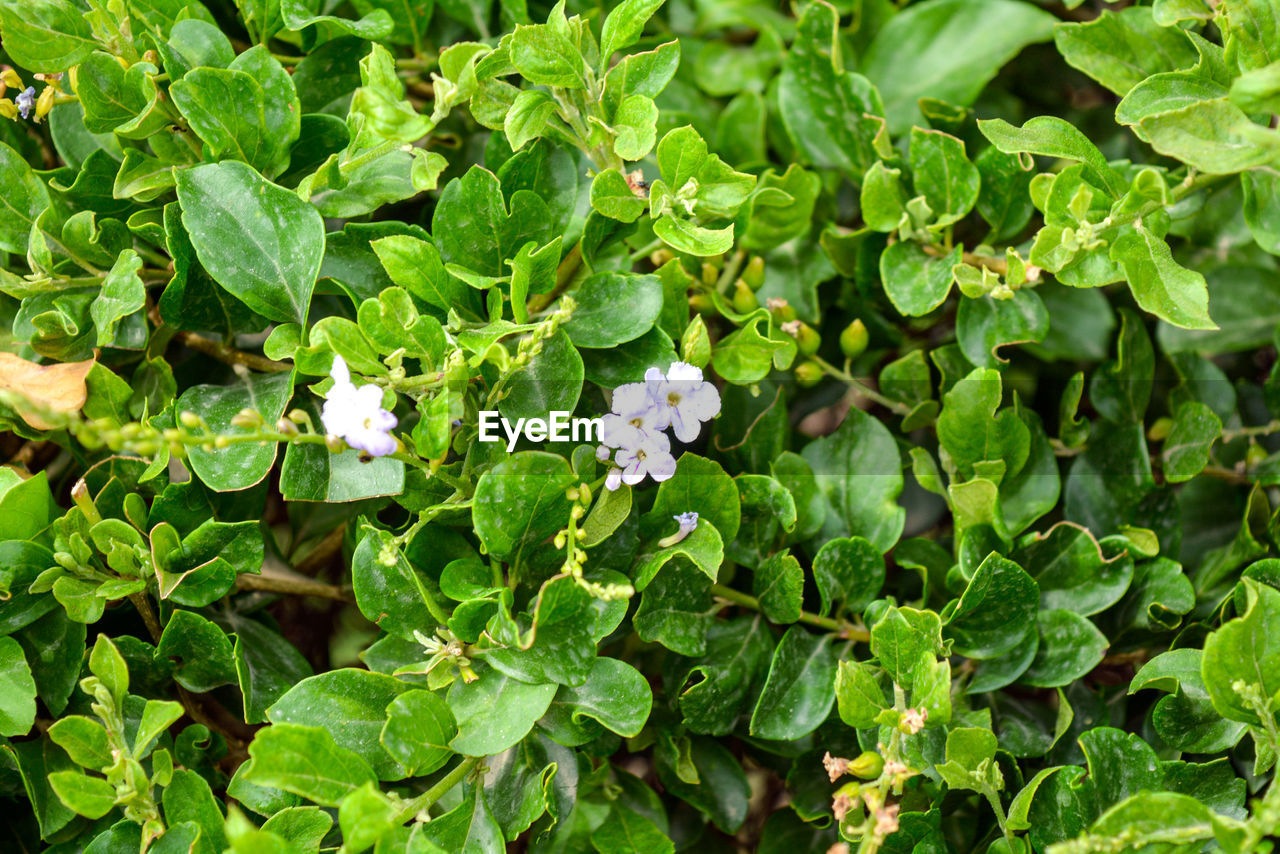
<point>688,524</point>
<point>684,399</point>
<point>26,101</point>
<point>356,414</point>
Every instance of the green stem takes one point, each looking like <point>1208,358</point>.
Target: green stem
<point>839,627</point>
<point>860,387</point>
<point>439,790</point>
<point>730,272</point>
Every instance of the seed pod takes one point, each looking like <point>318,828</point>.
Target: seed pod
<point>867,766</point>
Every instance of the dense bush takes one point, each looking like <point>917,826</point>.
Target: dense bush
<point>932,512</point>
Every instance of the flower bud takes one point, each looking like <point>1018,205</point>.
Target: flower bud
<point>808,374</point>
<point>247,419</point>
<point>780,309</point>
<point>45,102</point>
<point>1160,430</point>
<point>709,273</point>
<point>853,340</point>
<point>661,256</point>
<point>189,420</point>
<point>335,444</point>
<point>701,303</point>
<point>753,273</point>
<point>807,340</point>
<point>744,299</point>
<point>695,343</point>
<point>867,766</point>
<point>1255,455</point>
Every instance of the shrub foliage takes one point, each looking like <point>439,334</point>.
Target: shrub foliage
<point>936,508</point>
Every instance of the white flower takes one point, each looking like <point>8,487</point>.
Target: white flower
<point>25,101</point>
<point>650,456</point>
<point>356,414</point>
<point>791,327</point>
<point>684,399</point>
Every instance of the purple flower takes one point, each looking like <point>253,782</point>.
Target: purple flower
<point>25,101</point>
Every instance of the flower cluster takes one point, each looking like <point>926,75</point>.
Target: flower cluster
<point>356,414</point>
<point>631,435</point>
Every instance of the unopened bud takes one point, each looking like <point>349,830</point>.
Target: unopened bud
<point>1160,430</point>
<point>189,420</point>
<point>661,256</point>
<point>701,303</point>
<point>1255,455</point>
<point>853,340</point>
<point>246,419</point>
<point>807,339</point>
<point>710,272</point>
<point>780,309</point>
<point>45,102</point>
<point>744,299</point>
<point>808,374</point>
<point>287,427</point>
<point>753,273</point>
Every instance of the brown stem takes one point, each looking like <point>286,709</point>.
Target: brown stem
<point>230,355</point>
<point>272,582</point>
<point>324,551</point>
<point>143,604</point>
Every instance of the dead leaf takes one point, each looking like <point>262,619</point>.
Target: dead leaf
<point>58,387</point>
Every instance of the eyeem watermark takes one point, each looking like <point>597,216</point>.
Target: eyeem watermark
<point>558,426</point>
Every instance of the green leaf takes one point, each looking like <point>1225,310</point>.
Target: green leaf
<point>25,195</point>
<point>1050,136</point>
<point>915,281</point>
<point>1070,646</point>
<point>528,117</point>
<point>1241,665</point>
<point>613,197</point>
<point>122,294</point>
<point>91,797</point>
<point>1159,284</point>
<point>248,111</point>
<point>389,591</point>
<point>600,321</point>
<point>1215,137</point>
<point>623,25</point>
<point>306,761</point>
<point>779,586</point>
<point>203,653</point>
<point>942,173</point>
<point>859,472</point>
<point>1121,49</point>
<point>351,705</point>
<point>996,609</point>
<point>17,690</point>
<point>479,230</point>
<point>415,265</point>
<point>1072,571</point>
<point>544,56</point>
<point>628,832</point>
<point>258,240</point>
<point>702,486</point>
<point>615,695</point>
<point>945,49</point>
<point>799,691</point>
<point>109,666</point>
<point>832,115</point>
<point>850,571</point>
<point>417,732</point>
<point>45,35</point>
<point>241,465</point>
<point>84,739</point>
<point>495,711</point>
<point>859,697</point>
<point>675,608</point>
<point>1261,210</point>
<point>1186,450</point>
<point>520,502</point>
